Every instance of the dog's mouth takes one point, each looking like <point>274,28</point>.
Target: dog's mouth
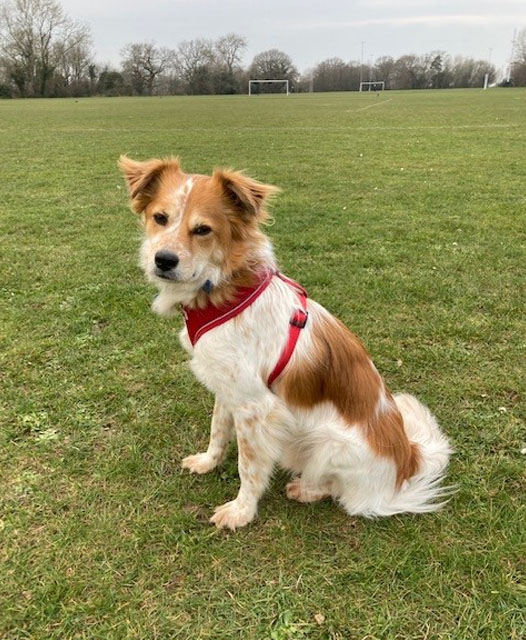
<point>171,275</point>
<point>165,275</point>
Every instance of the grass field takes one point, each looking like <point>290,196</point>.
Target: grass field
<point>405,215</point>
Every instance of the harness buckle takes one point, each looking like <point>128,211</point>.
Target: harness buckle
<point>299,319</point>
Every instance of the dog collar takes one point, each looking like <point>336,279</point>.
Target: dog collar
<point>200,321</point>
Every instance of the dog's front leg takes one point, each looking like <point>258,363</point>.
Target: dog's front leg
<point>221,432</point>
<point>258,449</point>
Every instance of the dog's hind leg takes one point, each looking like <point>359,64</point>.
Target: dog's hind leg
<point>221,432</point>
<point>303,492</point>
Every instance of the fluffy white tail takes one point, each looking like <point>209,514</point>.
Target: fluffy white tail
<point>423,492</point>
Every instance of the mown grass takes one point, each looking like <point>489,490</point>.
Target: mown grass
<point>405,216</point>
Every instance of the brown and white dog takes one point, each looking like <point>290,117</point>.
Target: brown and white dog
<point>327,416</point>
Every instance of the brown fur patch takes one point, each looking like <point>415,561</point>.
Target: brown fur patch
<point>246,450</point>
<point>339,370</point>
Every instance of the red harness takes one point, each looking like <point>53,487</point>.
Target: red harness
<point>199,321</point>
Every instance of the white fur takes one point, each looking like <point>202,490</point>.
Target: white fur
<point>233,361</point>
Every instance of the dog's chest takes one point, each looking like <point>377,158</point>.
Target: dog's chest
<point>215,359</point>
<point>231,360</point>
<point>235,358</point>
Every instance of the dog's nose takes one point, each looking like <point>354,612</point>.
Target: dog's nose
<point>166,260</point>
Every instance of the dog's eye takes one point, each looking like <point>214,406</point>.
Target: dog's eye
<point>160,218</point>
<point>202,230</point>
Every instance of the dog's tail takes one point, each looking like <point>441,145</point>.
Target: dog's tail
<point>422,492</point>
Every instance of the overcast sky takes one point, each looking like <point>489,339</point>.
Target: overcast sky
<point>310,31</point>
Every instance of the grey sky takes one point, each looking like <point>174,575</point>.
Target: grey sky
<point>310,31</point>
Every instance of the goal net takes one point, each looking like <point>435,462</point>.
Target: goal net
<point>254,86</point>
<point>377,85</point>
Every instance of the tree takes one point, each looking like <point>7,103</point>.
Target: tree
<point>518,64</point>
<point>33,36</point>
<point>194,61</point>
<point>385,69</point>
<point>412,72</point>
<point>273,65</point>
<point>334,74</point>
<point>468,72</point>
<point>228,53</point>
<point>437,69</point>
<point>111,83</point>
<point>143,62</point>
<point>92,75</point>
<point>74,59</point>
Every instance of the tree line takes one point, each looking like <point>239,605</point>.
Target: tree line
<point>436,70</point>
<point>44,53</point>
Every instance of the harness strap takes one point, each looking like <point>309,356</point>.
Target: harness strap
<point>297,322</point>
<point>200,321</point>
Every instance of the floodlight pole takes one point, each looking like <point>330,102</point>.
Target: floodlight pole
<point>361,63</point>
<point>512,55</point>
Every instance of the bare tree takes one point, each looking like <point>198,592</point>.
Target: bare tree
<point>520,45</point>
<point>468,72</point>
<point>194,61</point>
<point>410,72</point>
<point>143,62</point>
<point>229,51</point>
<point>334,74</point>
<point>518,64</point>
<point>385,67</point>
<point>226,69</point>
<point>74,56</point>
<point>30,32</point>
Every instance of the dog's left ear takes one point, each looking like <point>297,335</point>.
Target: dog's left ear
<point>247,196</point>
<point>142,178</point>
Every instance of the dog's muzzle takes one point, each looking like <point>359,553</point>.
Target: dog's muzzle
<point>165,263</point>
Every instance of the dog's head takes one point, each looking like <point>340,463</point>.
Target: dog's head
<point>200,230</point>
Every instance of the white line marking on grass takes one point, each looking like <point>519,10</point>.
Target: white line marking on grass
<point>349,128</point>
<point>446,126</point>
<point>377,104</point>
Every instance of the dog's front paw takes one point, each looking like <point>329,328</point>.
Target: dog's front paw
<point>231,516</point>
<point>199,463</point>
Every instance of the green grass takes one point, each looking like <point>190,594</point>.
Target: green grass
<point>407,220</point>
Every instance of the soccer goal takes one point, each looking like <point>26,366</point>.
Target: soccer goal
<point>372,86</point>
<point>251,83</point>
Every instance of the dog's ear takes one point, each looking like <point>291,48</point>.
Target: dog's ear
<point>243,194</point>
<point>142,178</point>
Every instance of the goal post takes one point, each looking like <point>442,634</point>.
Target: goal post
<point>251,83</point>
<point>377,85</point>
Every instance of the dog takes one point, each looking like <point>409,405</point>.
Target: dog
<point>291,382</point>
